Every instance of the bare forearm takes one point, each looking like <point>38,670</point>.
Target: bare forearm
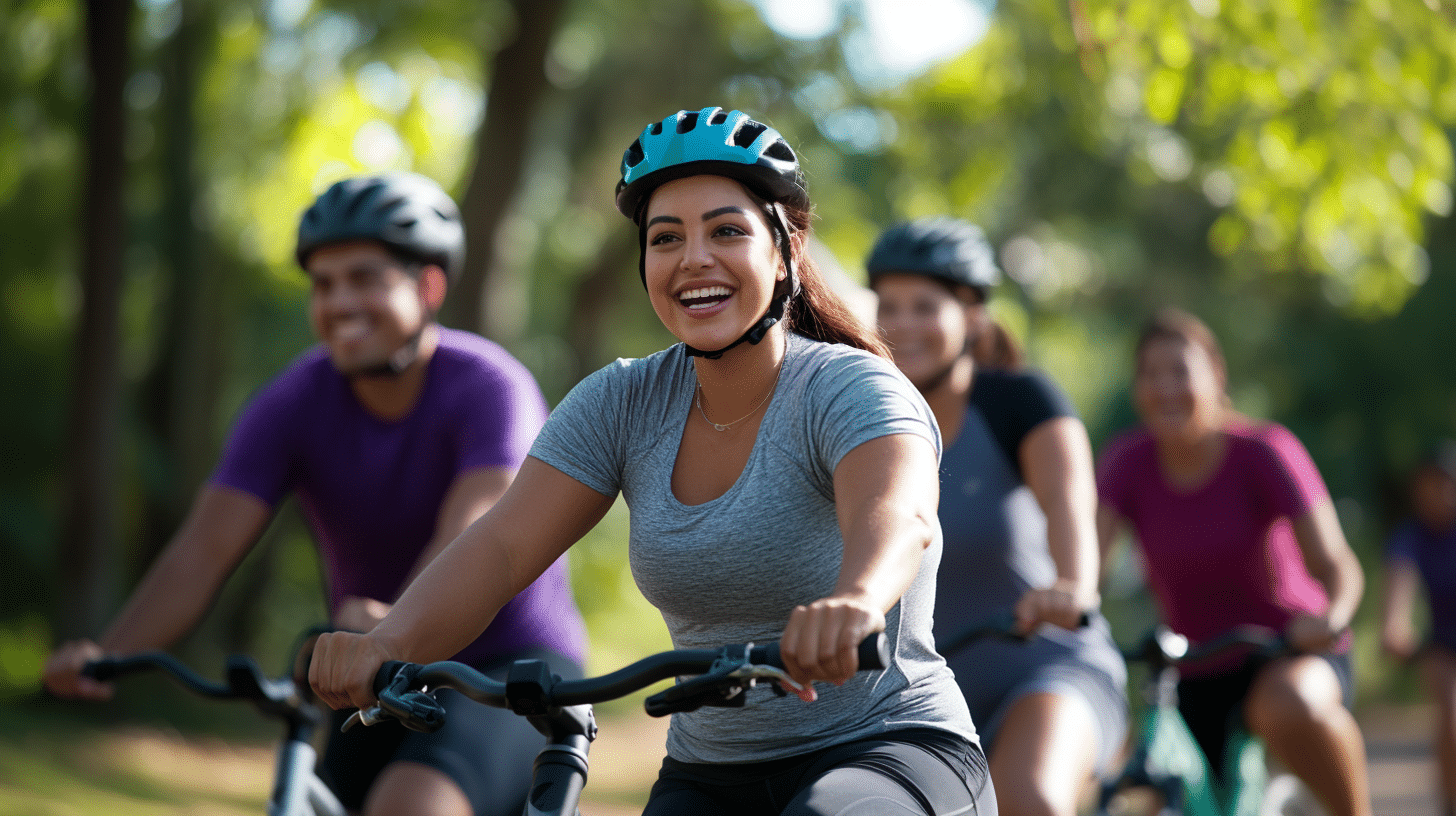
<point>1346,586</point>
<point>1330,560</point>
<point>169,602</point>
<point>180,586</point>
<point>1056,459</point>
<point>1072,542</point>
<point>882,553</point>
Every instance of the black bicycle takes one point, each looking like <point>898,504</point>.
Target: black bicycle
<point>561,709</point>
<point>297,789</point>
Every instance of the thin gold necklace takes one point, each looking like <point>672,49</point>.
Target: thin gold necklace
<point>754,410</point>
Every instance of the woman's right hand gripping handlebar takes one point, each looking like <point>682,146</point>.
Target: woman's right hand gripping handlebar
<point>343,668</point>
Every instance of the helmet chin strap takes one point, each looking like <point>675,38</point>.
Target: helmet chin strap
<point>404,356</point>
<point>398,362</point>
<point>754,334</point>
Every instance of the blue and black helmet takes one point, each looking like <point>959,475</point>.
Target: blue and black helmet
<point>939,247</point>
<point>710,141</point>
<point>406,212</point>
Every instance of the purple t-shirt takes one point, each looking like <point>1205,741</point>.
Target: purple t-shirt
<point>1223,553</point>
<point>1434,556</point>
<point>371,489</point>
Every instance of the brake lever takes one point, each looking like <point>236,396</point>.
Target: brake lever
<point>725,685</point>
<point>754,672</point>
<point>373,715</point>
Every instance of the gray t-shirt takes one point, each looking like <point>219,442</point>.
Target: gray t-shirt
<point>730,570</point>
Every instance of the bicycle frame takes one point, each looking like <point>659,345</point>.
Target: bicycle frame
<point>1168,759</point>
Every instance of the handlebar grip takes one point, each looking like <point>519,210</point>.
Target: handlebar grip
<point>387,670</point>
<point>104,669</point>
<point>873,651</point>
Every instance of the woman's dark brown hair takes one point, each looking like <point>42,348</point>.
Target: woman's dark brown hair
<point>1171,323</point>
<point>816,312</point>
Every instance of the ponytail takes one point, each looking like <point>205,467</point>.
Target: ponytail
<point>817,312</point>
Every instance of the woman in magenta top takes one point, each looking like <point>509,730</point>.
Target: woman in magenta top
<point>1236,527</point>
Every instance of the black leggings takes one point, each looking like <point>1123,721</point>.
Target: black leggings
<point>1212,705</point>
<point>913,771</point>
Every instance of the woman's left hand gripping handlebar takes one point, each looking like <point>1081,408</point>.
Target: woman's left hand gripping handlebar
<point>821,640</point>
<point>343,668</point>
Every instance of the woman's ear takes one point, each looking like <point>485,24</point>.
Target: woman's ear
<point>433,286</point>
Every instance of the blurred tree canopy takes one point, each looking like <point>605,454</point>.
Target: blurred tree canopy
<point>1281,167</point>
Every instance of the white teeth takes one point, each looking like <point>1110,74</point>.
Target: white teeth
<point>350,329</point>
<point>705,292</point>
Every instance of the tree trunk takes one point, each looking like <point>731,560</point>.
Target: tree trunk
<point>482,299</point>
<point>87,552</point>
<point>181,389</point>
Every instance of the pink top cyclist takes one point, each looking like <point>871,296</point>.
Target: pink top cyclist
<point>1236,528</point>
<point>1249,568</point>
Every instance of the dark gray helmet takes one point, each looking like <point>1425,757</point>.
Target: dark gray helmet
<point>406,212</point>
<point>939,247</point>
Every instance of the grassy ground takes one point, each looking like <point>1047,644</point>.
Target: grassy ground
<point>56,764</point>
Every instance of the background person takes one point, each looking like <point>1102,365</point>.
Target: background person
<point>781,479</point>
<point>1422,550</point>
<point>1017,509</point>
<point>1236,527</point>
<point>395,434</point>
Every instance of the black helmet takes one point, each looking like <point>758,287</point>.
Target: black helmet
<point>713,142</point>
<point>406,212</point>
<point>940,247</point>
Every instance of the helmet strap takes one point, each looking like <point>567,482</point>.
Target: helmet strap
<point>400,361</point>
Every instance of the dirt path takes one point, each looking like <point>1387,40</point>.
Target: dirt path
<point>1402,770</point>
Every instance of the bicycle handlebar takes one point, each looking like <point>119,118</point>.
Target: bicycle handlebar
<point>999,624</point>
<point>1164,647</point>
<point>723,675</point>
<point>245,680</point>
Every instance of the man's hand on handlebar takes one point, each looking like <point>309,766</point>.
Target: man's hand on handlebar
<point>62,674</point>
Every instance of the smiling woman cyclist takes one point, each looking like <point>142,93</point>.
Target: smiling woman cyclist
<point>1236,527</point>
<point>781,477</point>
<point>1018,512</point>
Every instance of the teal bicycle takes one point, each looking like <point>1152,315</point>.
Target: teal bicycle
<point>1166,764</point>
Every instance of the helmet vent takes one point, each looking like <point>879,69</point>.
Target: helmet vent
<point>687,122</point>
<point>656,131</point>
<point>634,154</point>
<point>780,150</point>
<point>748,134</point>
<point>718,118</point>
